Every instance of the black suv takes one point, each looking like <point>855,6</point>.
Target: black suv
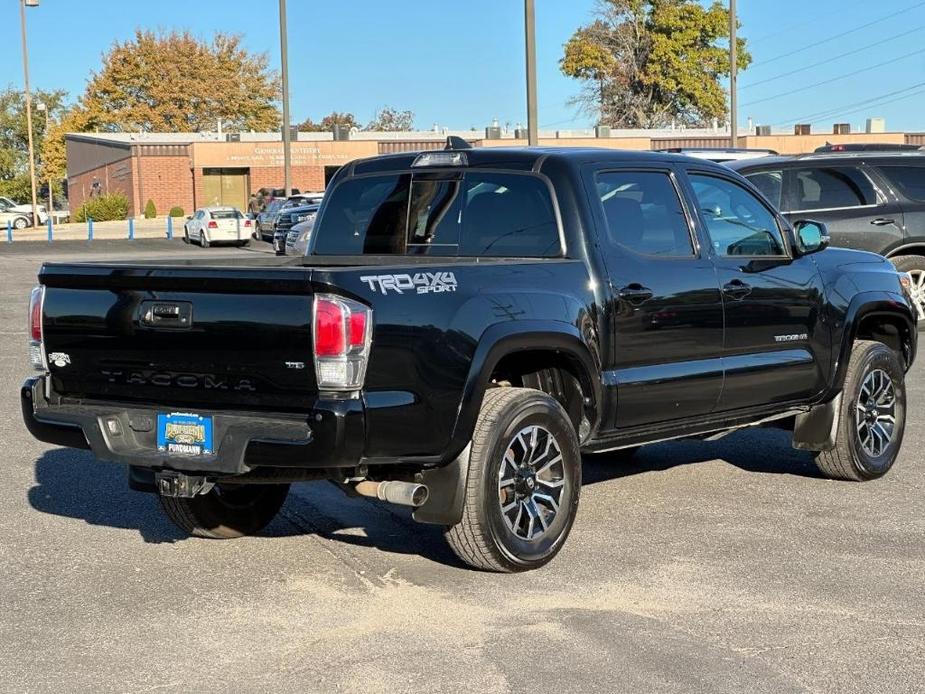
<point>872,201</point>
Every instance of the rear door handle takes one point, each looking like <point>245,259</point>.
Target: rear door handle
<point>635,293</point>
<point>882,222</point>
<point>737,289</point>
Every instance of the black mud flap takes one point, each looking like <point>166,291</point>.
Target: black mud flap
<point>446,488</point>
<point>816,430</point>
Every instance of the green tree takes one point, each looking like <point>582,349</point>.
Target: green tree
<point>389,119</point>
<point>175,82</point>
<point>648,63</point>
<point>327,123</point>
<point>14,138</point>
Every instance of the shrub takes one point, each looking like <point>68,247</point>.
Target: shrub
<point>103,208</point>
<point>150,210</point>
<point>177,211</point>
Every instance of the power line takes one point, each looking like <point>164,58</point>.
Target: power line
<point>805,21</point>
<point>833,58</point>
<point>835,79</point>
<point>866,103</point>
<point>816,44</point>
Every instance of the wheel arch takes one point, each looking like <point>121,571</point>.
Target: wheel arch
<point>527,349</point>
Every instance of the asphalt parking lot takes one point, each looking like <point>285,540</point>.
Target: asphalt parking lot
<point>726,566</point>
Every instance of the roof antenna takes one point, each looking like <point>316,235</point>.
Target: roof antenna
<point>455,142</point>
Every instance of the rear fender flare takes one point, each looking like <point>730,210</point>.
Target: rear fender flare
<point>503,339</point>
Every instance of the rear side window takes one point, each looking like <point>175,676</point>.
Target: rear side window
<point>476,214</point>
<point>644,214</point>
<point>909,180</point>
<point>831,188</point>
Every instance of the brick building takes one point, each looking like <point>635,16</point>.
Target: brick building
<point>192,170</point>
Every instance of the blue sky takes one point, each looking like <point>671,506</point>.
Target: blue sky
<point>460,64</point>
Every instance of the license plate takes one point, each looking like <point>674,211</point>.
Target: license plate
<point>184,433</point>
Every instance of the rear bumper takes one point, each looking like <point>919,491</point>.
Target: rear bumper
<point>330,436</point>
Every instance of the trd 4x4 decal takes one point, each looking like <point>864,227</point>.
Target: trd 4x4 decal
<point>421,282</point>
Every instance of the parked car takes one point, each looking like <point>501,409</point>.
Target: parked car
<point>7,205</point>
<point>467,324</point>
<point>299,237</point>
<point>218,224</point>
<point>18,220</point>
<point>872,201</point>
<point>285,222</point>
<point>269,218</point>
<point>720,154</point>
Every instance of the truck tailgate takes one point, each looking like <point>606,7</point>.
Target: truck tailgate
<point>181,335</point>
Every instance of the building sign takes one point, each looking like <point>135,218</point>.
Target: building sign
<point>270,154</point>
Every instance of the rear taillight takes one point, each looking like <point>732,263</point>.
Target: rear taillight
<point>36,334</point>
<point>213,224</point>
<point>342,336</point>
<point>247,222</point>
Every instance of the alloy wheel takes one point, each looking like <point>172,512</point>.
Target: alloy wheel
<point>530,482</point>
<point>876,413</point>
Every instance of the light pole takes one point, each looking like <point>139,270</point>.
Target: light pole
<point>284,62</point>
<point>41,106</point>
<point>25,68</point>
<point>530,35</point>
<point>733,77</point>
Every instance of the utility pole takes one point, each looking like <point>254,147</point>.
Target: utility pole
<point>733,77</point>
<point>530,32</point>
<point>25,69</point>
<point>287,143</point>
<point>44,107</point>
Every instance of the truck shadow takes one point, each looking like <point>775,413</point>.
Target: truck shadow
<point>73,484</point>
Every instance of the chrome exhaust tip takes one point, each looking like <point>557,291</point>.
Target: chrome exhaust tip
<point>394,492</point>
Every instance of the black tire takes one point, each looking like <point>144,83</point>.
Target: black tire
<point>20,223</point>
<point>850,459</point>
<point>185,235</point>
<point>915,266</point>
<point>484,539</point>
<point>203,239</point>
<point>227,510</point>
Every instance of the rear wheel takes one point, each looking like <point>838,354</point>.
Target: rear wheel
<point>227,510</point>
<point>872,418</point>
<point>203,239</point>
<point>186,235</point>
<point>915,266</point>
<point>523,485</point>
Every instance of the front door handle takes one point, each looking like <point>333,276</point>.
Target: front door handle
<point>882,222</point>
<point>737,289</point>
<point>635,293</point>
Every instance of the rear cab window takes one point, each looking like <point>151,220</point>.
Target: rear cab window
<point>442,213</point>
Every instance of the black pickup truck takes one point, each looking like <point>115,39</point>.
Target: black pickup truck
<point>467,324</point>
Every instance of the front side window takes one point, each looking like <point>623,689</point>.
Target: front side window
<point>823,188</point>
<point>770,183</point>
<point>644,214</point>
<point>737,222</point>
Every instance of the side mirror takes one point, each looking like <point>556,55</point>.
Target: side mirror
<point>811,237</point>
<point>189,216</point>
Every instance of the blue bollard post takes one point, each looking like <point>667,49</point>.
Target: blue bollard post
<point>50,232</point>
<point>9,231</point>
<point>169,227</point>
<point>89,229</point>
<point>131,229</point>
